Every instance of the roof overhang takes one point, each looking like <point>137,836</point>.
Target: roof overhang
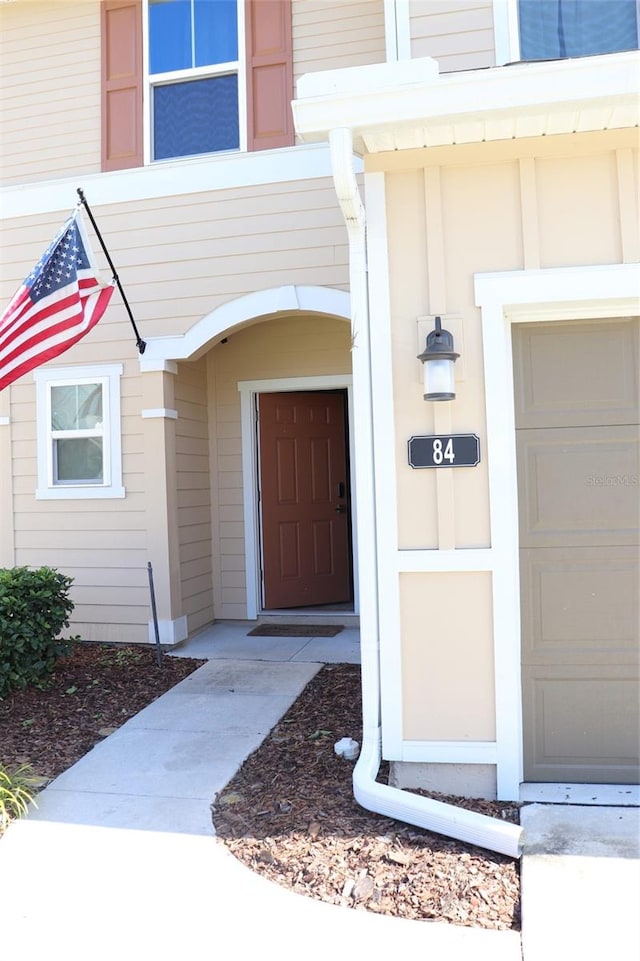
<point>409,104</point>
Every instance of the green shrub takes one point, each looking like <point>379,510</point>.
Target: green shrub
<point>16,786</point>
<point>34,608</point>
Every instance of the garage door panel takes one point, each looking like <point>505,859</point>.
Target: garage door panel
<point>581,729</point>
<point>563,379</point>
<point>578,451</point>
<point>579,486</point>
<point>580,606</point>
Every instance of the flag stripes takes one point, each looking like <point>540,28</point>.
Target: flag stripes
<point>61,300</point>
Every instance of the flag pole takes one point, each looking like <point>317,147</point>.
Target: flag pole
<point>140,344</point>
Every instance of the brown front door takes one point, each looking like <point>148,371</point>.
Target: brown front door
<point>304,499</point>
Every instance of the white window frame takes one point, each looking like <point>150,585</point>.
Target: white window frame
<point>219,69</point>
<point>108,375</point>
<point>506,29</point>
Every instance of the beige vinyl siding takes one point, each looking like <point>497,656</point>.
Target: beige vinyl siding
<point>100,544</point>
<point>331,34</point>
<point>178,258</point>
<point>457,33</point>
<point>49,89</point>
<point>50,75</point>
<point>284,347</point>
<point>193,494</point>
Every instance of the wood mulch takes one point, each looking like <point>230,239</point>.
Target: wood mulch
<point>289,814</point>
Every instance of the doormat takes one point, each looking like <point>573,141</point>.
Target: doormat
<point>296,630</point>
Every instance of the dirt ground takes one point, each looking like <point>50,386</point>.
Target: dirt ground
<point>289,813</point>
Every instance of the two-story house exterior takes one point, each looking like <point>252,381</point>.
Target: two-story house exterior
<point>483,154</point>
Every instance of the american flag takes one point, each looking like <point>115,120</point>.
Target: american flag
<point>60,301</point>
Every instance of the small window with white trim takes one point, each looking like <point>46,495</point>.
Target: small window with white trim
<point>79,445</point>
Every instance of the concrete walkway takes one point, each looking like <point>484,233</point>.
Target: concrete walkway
<point>119,859</point>
<point>581,883</point>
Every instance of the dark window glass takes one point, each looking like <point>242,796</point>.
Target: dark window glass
<point>555,29</point>
<point>78,461</point>
<point>216,31</point>
<point>195,117</point>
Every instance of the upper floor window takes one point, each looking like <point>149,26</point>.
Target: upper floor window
<point>557,29</point>
<point>216,75</point>
<point>193,76</point>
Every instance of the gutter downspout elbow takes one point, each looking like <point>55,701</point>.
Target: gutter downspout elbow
<point>447,819</point>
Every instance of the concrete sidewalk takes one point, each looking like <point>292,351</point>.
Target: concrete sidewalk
<point>119,859</point>
<point>580,883</point>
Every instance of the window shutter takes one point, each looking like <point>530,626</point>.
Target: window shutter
<point>269,74</point>
<point>121,31</point>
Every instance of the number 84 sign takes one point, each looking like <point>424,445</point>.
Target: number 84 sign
<point>444,450</point>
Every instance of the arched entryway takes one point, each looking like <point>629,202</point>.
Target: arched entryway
<point>286,351</point>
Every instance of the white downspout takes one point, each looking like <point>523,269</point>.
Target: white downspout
<point>392,802</point>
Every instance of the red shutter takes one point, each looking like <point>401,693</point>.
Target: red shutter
<point>269,74</point>
<point>121,30</point>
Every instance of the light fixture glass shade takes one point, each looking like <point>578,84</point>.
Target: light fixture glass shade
<point>439,379</point>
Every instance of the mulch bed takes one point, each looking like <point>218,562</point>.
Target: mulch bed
<point>289,814</point>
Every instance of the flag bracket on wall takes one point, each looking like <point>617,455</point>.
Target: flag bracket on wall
<point>140,344</point>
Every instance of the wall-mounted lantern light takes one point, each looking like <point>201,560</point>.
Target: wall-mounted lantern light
<point>438,358</point>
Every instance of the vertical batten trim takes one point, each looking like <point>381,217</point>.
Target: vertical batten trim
<point>436,280</point>
<point>628,207</point>
<point>445,491</point>
<point>437,287</point>
<point>529,213</point>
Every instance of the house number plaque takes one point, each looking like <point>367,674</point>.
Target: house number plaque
<point>444,450</point>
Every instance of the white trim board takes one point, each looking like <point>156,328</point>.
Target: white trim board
<point>449,752</point>
<point>564,293</point>
<point>171,178</point>
<point>249,389</point>
<point>243,311</point>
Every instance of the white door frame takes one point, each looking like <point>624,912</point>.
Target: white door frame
<point>249,389</point>
<point>553,294</point>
